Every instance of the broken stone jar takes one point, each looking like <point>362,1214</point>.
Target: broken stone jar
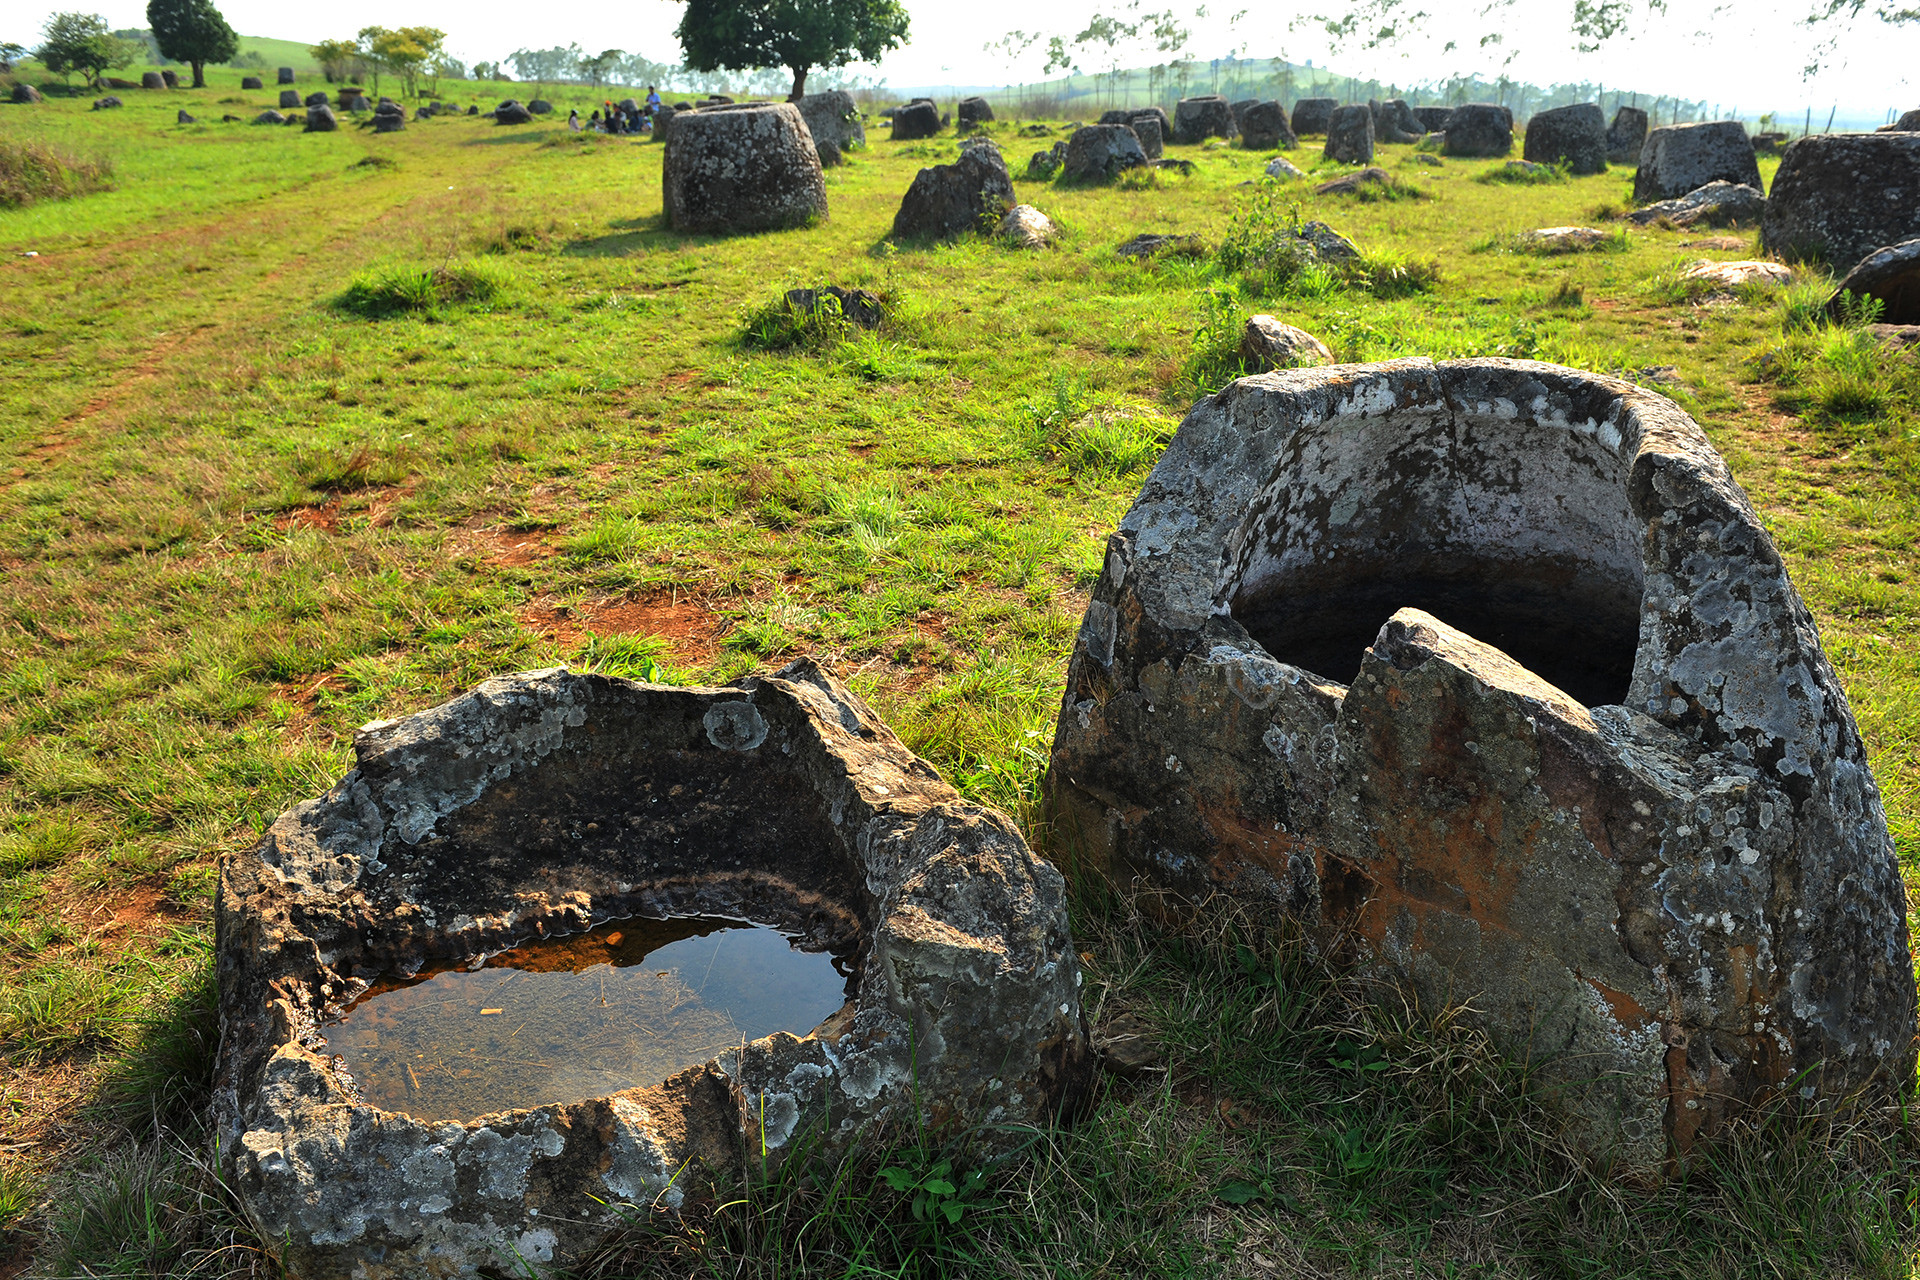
<point>1487,670</point>
<point>542,805</point>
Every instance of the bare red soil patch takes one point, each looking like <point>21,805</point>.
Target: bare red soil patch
<point>503,547</point>
<point>691,631</point>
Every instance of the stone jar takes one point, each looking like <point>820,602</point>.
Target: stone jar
<point>948,200</point>
<point>1575,136</point>
<point>1312,115</point>
<point>543,803</point>
<point>1200,118</point>
<point>746,168</point>
<point>1350,136</point>
<point>1679,158</point>
<point>1479,129</point>
<point>1626,136</point>
<point>1263,127</point>
<point>1841,196</point>
<point>1101,152</point>
<point>1487,671</point>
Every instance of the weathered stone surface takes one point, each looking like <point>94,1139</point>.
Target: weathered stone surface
<point>860,306</point>
<point>1025,227</point>
<point>1891,275</point>
<point>916,120</point>
<point>539,107</point>
<point>1135,114</point>
<point>1841,196</point>
<point>290,100</point>
<point>1199,118</point>
<point>1718,204</point>
<point>1128,1047</point>
<point>1564,239</point>
<point>107,103</point>
<point>269,117</point>
<point>1044,164</point>
<point>170,77</point>
<point>1639,836</point>
<point>317,99</point>
<point>1326,244</point>
<point>1731,274</point>
<point>1263,127</point>
<point>1147,245</point>
<point>1679,158</point>
<point>1479,129</point>
<point>152,80</point>
<point>25,94</point>
<point>1433,119</point>
<point>833,118</point>
<point>1267,344</point>
<point>1350,136</point>
<point>1907,123</point>
<point>1170,164</point>
<point>753,168</point>
<point>948,200</point>
<point>973,111</point>
<point>542,803</point>
<point>1152,140</point>
<point>286,75</point>
<point>1312,115</point>
<point>1393,121</point>
<point>1101,152</point>
<point>389,122</point>
<point>321,120</point>
<point>1352,182</point>
<point>251,82</point>
<point>1575,136</point>
<point>1281,167</point>
<point>182,117</point>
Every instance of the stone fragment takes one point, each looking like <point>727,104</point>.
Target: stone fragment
<point>1267,344</point>
<point>833,118</point>
<point>1891,275</point>
<point>25,94</point>
<point>1897,337</point>
<point>1489,668</point>
<point>1718,204</point>
<point>1025,227</point>
<point>546,802</point>
<point>1563,239</point>
<point>1148,245</point>
<point>321,120</point>
<point>1263,127</point>
<point>1907,123</point>
<point>916,120</point>
<point>1100,153</point>
<point>1841,196</point>
<point>251,82</point>
<point>948,200</point>
<point>1575,136</point>
<point>269,117</point>
<point>1352,182</point>
<point>1479,129</point>
<point>1044,164</point>
<point>539,107</point>
<point>861,307</point>
<point>752,167</point>
<point>1312,115</point>
<point>1732,274</point>
<point>1433,119</point>
<point>1170,164</point>
<point>1350,136</point>
<point>181,117</point>
<point>1394,121</point>
<point>1679,158</point>
<point>1326,244</point>
<point>1281,167</point>
<point>107,103</point>
<point>1128,1047</point>
<point>317,98</point>
<point>1198,118</point>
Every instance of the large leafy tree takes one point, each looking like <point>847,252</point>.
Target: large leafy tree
<point>744,35</point>
<point>193,32</point>
<point>73,42</point>
<point>407,52</point>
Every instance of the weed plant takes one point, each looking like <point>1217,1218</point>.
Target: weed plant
<point>399,291</point>
<point>1523,174</point>
<point>34,171</point>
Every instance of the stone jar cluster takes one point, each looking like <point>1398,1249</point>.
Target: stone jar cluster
<point>1488,671</point>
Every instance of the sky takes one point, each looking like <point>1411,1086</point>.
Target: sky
<point>1748,59</point>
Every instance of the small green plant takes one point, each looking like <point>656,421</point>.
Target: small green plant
<point>406,290</point>
<point>1215,359</point>
<point>375,162</point>
<point>937,1193</point>
<point>1524,173</point>
<point>32,171</point>
<point>1388,274</point>
<point>630,656</point>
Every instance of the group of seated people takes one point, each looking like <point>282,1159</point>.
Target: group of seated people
<point>619,117</point>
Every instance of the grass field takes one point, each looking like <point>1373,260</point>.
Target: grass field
<point>266,474</point>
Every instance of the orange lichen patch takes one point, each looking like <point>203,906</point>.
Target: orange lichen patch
<point>1627,1011</point>
<point>691,631</point>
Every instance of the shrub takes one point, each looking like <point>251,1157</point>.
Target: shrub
<point>1523,173</point>
<point>32,171</point>
<point>400,290</point>
<point>781,325</point>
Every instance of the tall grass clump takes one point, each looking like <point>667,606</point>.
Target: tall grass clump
<point>809,318</point>
<point>1273,254</point>
<point>1523,173</point>
<point>399,291</point>
<point>32,171</point>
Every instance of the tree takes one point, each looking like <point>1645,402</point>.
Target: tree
<point>73,42</point>
<point>405,52</point>
<point>595,68</point>
<point>1113,33</point>
<point>338,60</point>
<point>10,53</point>
<point>193,32</point>
<point>744,35</point>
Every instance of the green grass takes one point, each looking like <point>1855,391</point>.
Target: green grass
<point>31,172</point>
<point>303,430</point>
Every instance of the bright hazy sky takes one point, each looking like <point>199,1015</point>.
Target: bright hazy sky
<point>1749,57</point>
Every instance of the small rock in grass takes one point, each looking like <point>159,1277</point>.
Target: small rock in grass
<point>1716,204</point>
<point>1127,1046</point>
<point>1564,239</point>
<point>1281,167</point>
<point>1352,182</point>
<point>1267,344</point>
<point>1025,227</point>
<point>1891,275</point>
<point>1147,245</point>
<point>1730,274</point>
